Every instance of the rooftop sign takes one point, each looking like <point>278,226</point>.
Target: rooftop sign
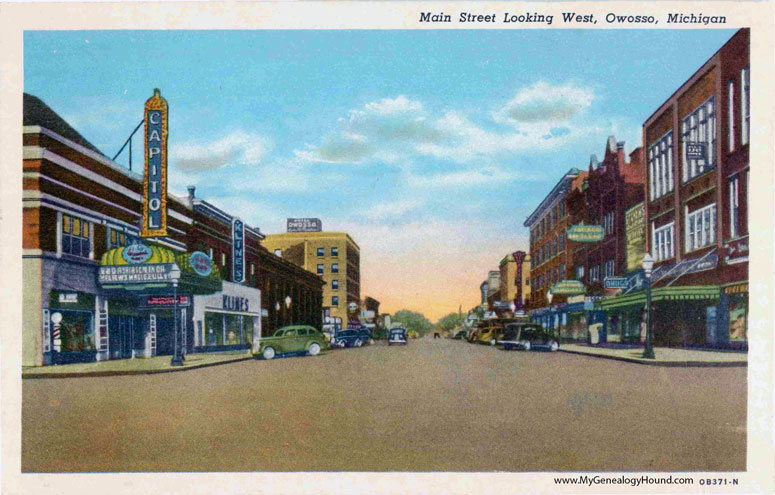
<point>304,225</point>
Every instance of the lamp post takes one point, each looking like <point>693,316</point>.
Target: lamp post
<point>648,264</point>
<point>177,359</point>
<point>549,298</point>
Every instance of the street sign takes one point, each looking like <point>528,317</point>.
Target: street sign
<point>568,287</point>
<point>586,233</point>
<point>616,282</point>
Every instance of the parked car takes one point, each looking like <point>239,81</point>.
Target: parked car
<point>528,336</point>
<point>397,336</point>
<point>293,339</point>
<point>490,331</point>
<point>349,337</point>
<point>365,334</point>
<point>460,335</point>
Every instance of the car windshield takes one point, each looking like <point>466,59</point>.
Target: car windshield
<point>345,333</point>
<point>279,333</point>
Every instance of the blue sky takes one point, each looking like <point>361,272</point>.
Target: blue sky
<point>429,147</point>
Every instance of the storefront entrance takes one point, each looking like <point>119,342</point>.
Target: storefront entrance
<point>127,336</point>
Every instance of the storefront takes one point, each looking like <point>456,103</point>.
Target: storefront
<point>229,320</point>
<point>143,286</point>
<point>71,337</point>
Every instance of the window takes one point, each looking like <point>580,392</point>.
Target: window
<point>594,273</point>
<point>562,241</point>
<point>117,238</point>
<point>335,284</point>
<point>608,269</point>
<point>734,206</point>
<point>701,228</point>
<point>562,209</point>
<point>745,105</point>
<point>75,236</point>
<point>334,300</point>
<point>699,128</point>
<point>335,268</point>
<point>731,116</point>
<point>321,252</point>
<point>334,251</point>
<point>527,281</point>
<point>320,269</point>
<point>555,245</point>
<point>561,272</point>
<point>608,223</point>
<point>579,272</point>
<point>662,242</point>
<point>661,167</point>
<point>277,252</point>
<point>223,259</point>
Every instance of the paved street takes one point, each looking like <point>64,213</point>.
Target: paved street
<point>434,405</point>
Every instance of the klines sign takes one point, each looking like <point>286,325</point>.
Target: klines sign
<point>238,250</point>
<point>155,178</point>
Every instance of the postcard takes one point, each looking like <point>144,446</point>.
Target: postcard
<point>401,247</point>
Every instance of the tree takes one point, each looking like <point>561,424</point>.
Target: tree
<point>413,321</point>
<point>451,321</point>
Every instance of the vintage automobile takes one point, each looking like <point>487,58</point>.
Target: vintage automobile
<point>527,336</point>
<point>293,339</point>
<point>349,337</point>
<point>491,330</point>
<point>397,336</point>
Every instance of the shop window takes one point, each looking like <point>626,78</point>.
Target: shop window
<point>699,127</point>
<point>335,268</point>
<point>662,242</point>
<point>76,331</point>
<point>701,228</point>
<point>75,236</point>
<point>738,317</point>
<point>334,252</point>
<point>247,330</point>
<point>335,284</point>
<point>233,328</point>
<point>321,252</point>
<point>320,269</point>
<point>661,167</point>
<point>745,105</point>
<point>213,329</point>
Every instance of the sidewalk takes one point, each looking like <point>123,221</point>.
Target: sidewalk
<point>137,366</point>
<point>665,356</point>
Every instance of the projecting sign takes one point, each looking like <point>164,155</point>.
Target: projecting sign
<point>616,282</point>
<point>136,253</point>
<point>155,179</point>
<point>586,233</point>
<point>696,150</point>
<point>737,250</point>
<point>304,225</point>
<point>238,250</point>
<point>135,274</point>
<point>568,287</point>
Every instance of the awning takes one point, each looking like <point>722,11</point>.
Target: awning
<point>681,293</point>
<point>736,289</point>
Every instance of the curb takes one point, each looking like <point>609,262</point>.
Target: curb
<point>35,376</point>
<point>666,364</point>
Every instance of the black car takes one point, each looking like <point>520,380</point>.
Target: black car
<point>527,336</point>
<point>348,337</point>
<point>397,336</point>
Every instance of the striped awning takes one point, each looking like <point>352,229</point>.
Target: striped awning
<point>681,293</point>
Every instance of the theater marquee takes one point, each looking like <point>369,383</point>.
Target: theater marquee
<point>155,178</point>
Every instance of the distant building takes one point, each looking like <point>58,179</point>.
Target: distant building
<point>508,274</point>
<point>334,256</point>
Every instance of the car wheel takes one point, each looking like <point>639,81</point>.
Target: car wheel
<point>527,345</point>
<point>314,349</point>
<point>268,353</point>
<point>554,345</point>
<point>493,342</point>
<point>358,343</point>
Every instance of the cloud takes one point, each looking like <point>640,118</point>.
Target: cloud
<point>238,148</point>
<point>462,178</point>
<point>384,211</point>
<point>544,102</point>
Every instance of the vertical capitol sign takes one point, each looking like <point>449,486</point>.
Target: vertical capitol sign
<point>155,179</point>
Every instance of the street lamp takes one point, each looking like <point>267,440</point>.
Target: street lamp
<point>287,301</point>
<point>549,298</point>
<point>648,264</point>
<point>177,358</point>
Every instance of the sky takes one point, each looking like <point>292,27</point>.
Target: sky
<point>430,148</point>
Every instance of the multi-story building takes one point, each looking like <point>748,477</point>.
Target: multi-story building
<point>696,208</point>
<point>508,279</point>
<point>334,256</point>
<point>549,257</point>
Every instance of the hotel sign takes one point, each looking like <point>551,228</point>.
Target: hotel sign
<point>238,250</point>
<point>568,287</point>
<point>155,178</point>
<point>586,233</point>
<point>304,225</point>
<point>135,274</point>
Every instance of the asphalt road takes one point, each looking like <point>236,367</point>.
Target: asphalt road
<point>434,405</point>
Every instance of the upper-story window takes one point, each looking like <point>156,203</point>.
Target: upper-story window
<point>661,167</point>
<point>562,209</point>
<point>662,243</point>
<point>734,206</point>
<point>117,238</point>
<point>334,267</point>
<point>334,252</point>
<point>321,252</point>
<point>731,114</point>
<point>594,273</point>
<point>76,236</point>
<point>608,222</point>
<point>701,227</point>
<point>555,245</point>
<point>223,259</point>
<point>608,269</point>
<point>320,269</point>
<point>562,241</point>
<point>579,272</point>
<point>745,105</point>
<point>699,127</point>
<point>335,285</point>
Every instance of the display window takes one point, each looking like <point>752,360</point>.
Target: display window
<point>76,331</point>
<point>738,317</point>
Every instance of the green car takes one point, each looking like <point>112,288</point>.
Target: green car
<point>294,339</point>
